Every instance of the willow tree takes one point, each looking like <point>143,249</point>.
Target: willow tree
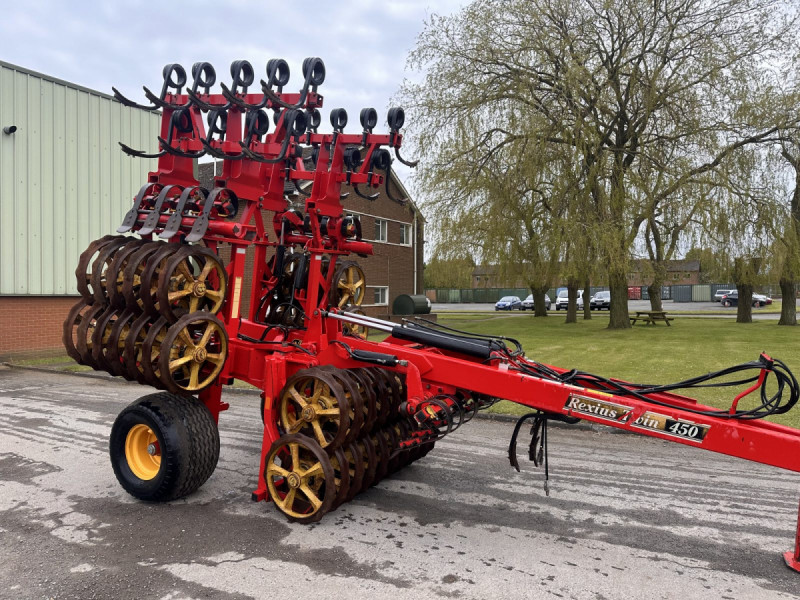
<point>743,220</point>
<point>613,81</point>
<point>510,218</point>
<point>452,272</point>
<point>788,246</point>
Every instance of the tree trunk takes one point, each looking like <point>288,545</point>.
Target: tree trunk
<point>539,307</point>
<point>587,309</point>
<point>654,291</point>
<point>572,302</point>
<point>618,284</point>
<point>788,303</point>
<point>744,310</point>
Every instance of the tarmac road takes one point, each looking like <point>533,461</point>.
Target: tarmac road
<point>627,517</point>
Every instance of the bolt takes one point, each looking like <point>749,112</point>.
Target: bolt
<point>151,449</point>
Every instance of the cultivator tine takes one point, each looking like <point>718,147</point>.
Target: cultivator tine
<point>201,104</point>
<point>170,149</point>
<point>133,214</point>
<point>139,153</point>
<point>130,103</point>
<point>159,103</point>
<point>408,163</point>
<point>173,224</point>
<point>201,221</point>
<point>235,100</point>
<point>163,200</point>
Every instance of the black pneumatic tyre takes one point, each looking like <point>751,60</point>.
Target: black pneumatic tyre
<point>163,447</point>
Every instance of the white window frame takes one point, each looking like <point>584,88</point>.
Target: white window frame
<point>388,220</point>
<point>407,238</point>
<point>384,230</point>
<point>375,288</point>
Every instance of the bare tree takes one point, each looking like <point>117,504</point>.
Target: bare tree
<point>620,85</point>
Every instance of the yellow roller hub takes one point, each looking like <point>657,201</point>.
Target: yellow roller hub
<point>142,452</point>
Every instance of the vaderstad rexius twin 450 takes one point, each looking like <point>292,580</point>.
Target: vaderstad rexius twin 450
<point>340,412</point>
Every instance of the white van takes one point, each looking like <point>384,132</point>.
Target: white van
<point>563,299</point>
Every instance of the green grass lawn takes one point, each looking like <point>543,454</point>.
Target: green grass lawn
<point>644,354</point>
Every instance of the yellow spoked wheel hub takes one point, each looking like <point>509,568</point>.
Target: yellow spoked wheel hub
<point>142,452</point>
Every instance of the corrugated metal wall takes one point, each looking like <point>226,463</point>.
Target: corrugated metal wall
<point>63,179</point>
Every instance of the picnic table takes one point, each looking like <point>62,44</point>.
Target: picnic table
<point>649,317</point>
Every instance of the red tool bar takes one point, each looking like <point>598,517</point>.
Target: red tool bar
<point>756,440</point>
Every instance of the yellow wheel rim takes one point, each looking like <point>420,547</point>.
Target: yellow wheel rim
<point>304,478</point>
<point>142,452</point>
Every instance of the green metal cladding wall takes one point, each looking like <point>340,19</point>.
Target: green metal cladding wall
<point>63,179</point>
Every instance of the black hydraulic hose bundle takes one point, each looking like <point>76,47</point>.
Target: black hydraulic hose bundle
<point>766,366</point>
<point>492,347</point>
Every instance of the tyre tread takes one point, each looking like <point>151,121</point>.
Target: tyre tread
<point>191,463</point>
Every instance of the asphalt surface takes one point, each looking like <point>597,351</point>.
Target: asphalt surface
<point>627,517</point>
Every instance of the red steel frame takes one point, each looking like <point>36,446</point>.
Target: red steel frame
<point>428,371</point>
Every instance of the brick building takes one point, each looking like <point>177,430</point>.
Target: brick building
<point>395,230</point>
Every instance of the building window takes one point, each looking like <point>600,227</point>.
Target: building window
<point>382,295</point>
<point>405,234</point>
<point>687,275</point>
<point>380,230</point>
<point>675,276</point>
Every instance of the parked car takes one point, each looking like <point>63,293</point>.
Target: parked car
<point>563,300</point>
<point>527,304</point>
<point>762,298</point>
<point>600,301</point>
<point>720,293</point>
<point>732,299</point>
<point>508,303</point>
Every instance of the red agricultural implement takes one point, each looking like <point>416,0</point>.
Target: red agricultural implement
<point>340,411</point>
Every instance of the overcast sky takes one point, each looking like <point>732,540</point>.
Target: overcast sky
<point>364,43</point>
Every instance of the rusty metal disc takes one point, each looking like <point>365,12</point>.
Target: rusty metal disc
<point>367,393</point>
<point>116,272</point>
<point>354,402</point>
<point>356,463</point>
<point>69,336</point>
<point>116,343</point>
<point>383,400</point>
<point>341,476</point>
<point>370,457</point>
<point>132,274</point>
<point>84,334</point>
<point>393,444</point>
<point>132,354</point>
<point>300,478</point>
<point>102,276</point>
<point>382,450</point>
<point>151,351</point>
<point>313,403</point>
<point>193,353</point>
<point>83,273</point>
<point>101,336</point>
<point>156,263</point>
<point>192,280</point>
